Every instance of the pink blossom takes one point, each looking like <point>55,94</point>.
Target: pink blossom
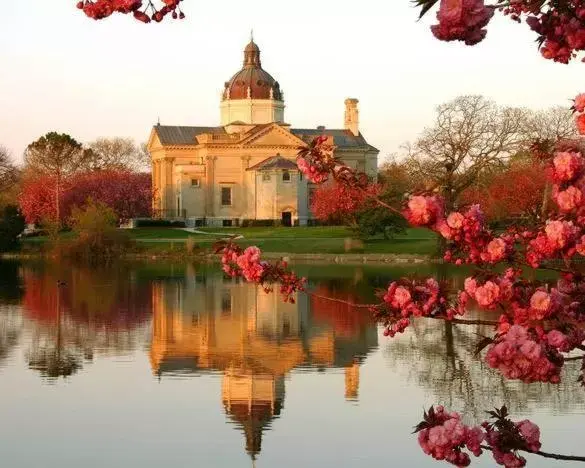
<point>531,434</point>
<point>462,20</point>
<point>569,199</point>
<point>488,294</point>
<point>558,340</point>
<point>579,103</point>
<point>455,220</point>
<point>540,305</point>
<point>401,297</point>
<point>470,286</point>
<point>423,210</point>
<point>495,251</point>
<point>567,165</point>
<point>559,233</point>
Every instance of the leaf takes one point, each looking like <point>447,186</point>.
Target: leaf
<point>420,426</point>
<point>426,6</point>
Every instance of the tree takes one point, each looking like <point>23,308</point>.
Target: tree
<point>471,137</point>
<point>57,156</point>
<point>9,178</point>
<point>99,9</point>
<point>11,226</point>
<point>338,204</point>
<point>129,194</point>
<point>116,154</point>
<point>515,192</point>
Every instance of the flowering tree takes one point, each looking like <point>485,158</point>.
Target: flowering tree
<point>340,203</point>
<point>129,194</point>
<point>514,192</point>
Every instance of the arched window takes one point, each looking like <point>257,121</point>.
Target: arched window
<point>285,176</point>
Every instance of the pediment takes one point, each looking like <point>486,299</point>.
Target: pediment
<point>153,142</point>
<point>273,135</point>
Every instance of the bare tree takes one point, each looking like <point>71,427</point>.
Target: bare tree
<point>471,136</point>
<point>117,153</point>
<point>56,155</point>
<point>8,171</point>
<point>556,123</point>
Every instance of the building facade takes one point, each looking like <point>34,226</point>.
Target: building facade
<point>244,169</point>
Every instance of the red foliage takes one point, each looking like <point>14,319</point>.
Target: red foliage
<point>338,202</point>
<point>515,192</point>
<point>129,194</point>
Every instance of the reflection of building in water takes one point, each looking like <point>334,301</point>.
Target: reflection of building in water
<point>255,339</point>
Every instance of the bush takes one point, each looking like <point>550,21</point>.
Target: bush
<point>11,226</point>
<point>378,220</point>
<point>258,223</point>
<point>97,238</point>
<point>142,223</point>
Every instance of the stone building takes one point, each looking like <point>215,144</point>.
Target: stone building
<point>244,169</point>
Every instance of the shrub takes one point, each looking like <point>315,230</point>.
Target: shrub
<point>258,223</point>
<point>97,238</point>
<point>11,226</point>
<point>142,223</point>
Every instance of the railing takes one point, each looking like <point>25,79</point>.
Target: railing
<point>169,214</point>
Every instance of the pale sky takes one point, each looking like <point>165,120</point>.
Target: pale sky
<point>62,71</point>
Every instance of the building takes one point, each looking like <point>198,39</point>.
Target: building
<point>244,169</point>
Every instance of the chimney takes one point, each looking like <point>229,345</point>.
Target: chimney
<point>352,116</point>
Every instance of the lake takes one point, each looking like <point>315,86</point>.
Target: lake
<point>174,365</point>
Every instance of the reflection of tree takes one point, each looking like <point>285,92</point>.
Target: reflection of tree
<point>10,283</point>
<point>459,379</point>
<point>76,311</point>
<point>53,358</point>
<point>10,330</point>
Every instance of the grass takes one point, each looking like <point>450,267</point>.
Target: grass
<point>329,239</point>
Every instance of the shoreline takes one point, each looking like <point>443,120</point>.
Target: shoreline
<point>323,258</point>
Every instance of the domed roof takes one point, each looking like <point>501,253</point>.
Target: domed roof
<point>252,81</point>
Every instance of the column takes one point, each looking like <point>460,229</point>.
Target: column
<point>210,189</point>
<point>244,192</point>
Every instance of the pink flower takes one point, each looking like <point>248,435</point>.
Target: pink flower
<point>558,340</point>
<point>495,251</point>
<point>569,199</point>
<point>540,304</point>
<point>488,294</point>
<point>559,233</point>
<point>423,210</point>
<point>531,434</point>
<point>581,246</point>
<point>579,103</point>
<point>470,286</point>
<point>455,220</point>
<point>567,165</point>
<point>580,122</point>
<point>401,297</point>
<point>462,20</point>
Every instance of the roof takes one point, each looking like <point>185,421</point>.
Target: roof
<point>275,162</point>
<point>179,135</point>
<point>341,138</point>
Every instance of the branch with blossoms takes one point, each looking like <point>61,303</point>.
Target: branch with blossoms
<point>559,25</point>
<point>539,325</point>
<point>142,10</point>
<point>443,435</point>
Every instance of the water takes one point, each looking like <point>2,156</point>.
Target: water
<point>176,366</point>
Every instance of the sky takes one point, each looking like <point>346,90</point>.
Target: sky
<point>60,71</point>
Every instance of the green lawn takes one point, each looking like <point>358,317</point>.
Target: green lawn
<point>328,239</point>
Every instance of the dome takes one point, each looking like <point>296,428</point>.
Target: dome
<point>252,81</point>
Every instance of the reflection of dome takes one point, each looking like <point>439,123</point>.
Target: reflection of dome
<point>252,402</point>
<point>253,420</point>
<point>252,82</point>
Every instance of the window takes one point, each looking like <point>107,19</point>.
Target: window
<point>196,183</point>
<point>227,223</point>
<point>300,176</point>
<point>226,196</point>
<point>286,176</point>
<point>265,176</point>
